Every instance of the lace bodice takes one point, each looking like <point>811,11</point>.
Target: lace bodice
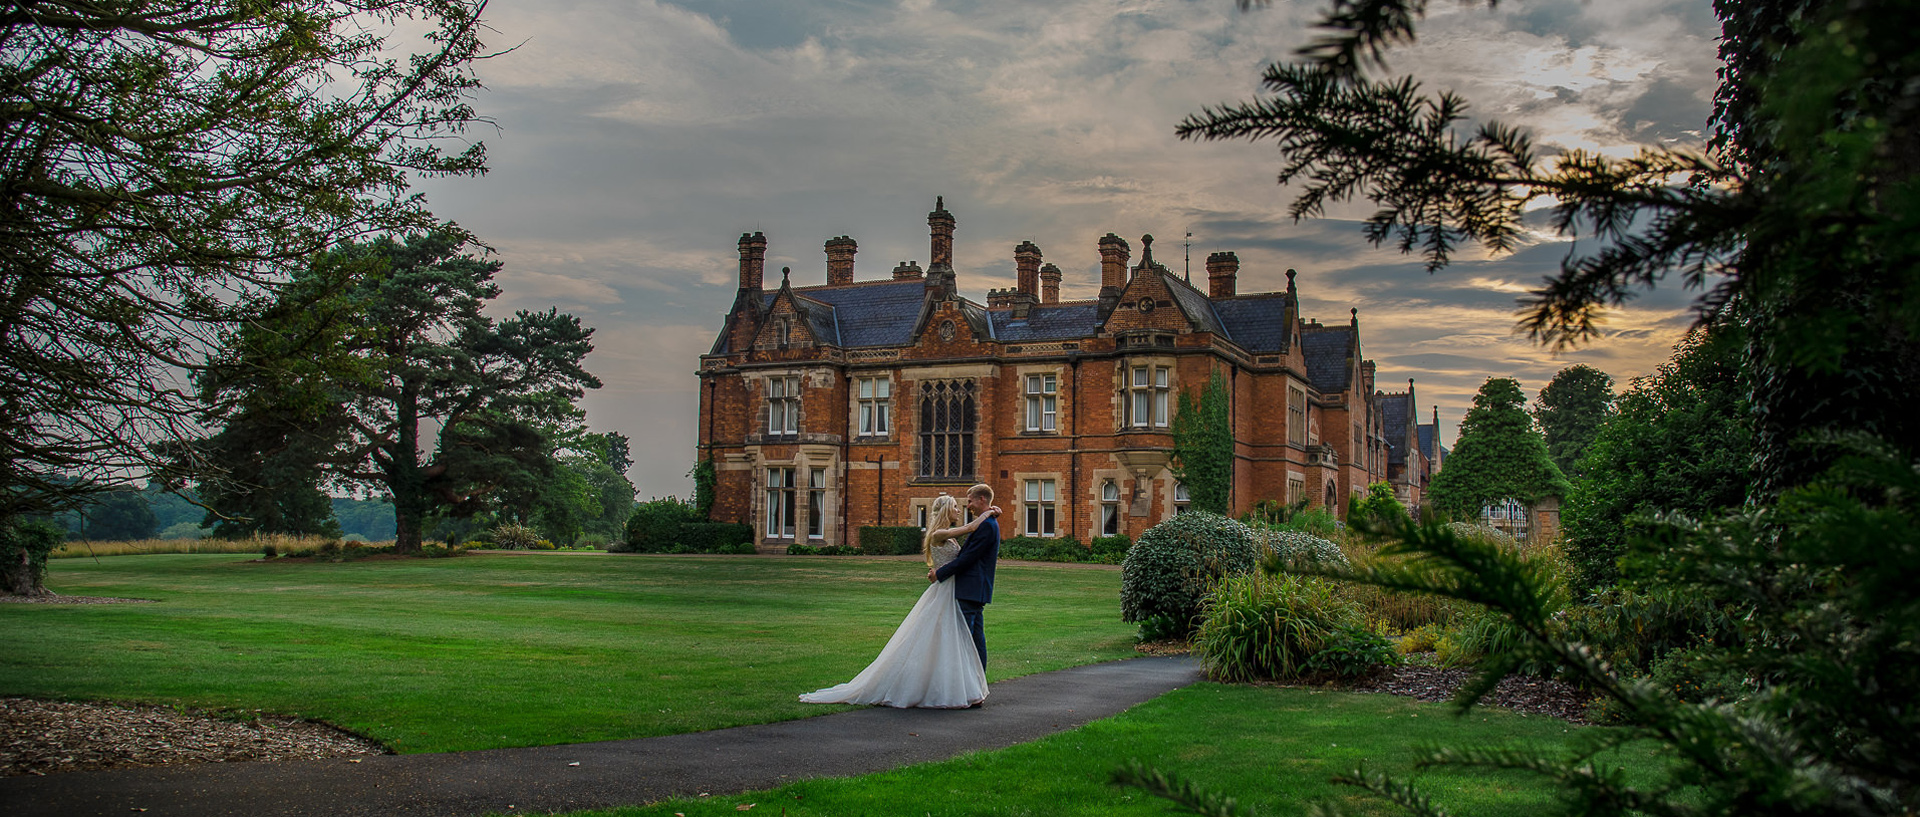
<point>943,554</point>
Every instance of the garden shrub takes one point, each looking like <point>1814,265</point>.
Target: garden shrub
<point>714,537</point>
<point>890,540</point>
<point>1177,562</point>
<point>1043,549</point>
<point>1299,548</point>
<point>1378,506</point>
<point>797,549</point>
<point>1352,652</point>
<point>1316,521</point>
<point>514,536</point>
<point>269,551</point>
<point>1420,639</point>
<point>1258,627</point>
<point>656,526</point>
<point>1110,550</point>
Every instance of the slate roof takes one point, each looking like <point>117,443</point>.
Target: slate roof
<point>1394,411</point>
<point>1057,322</point>
<point>872,314</point>
<point>1328,352</point>
<point>1258,323</point>
<point>1426,441</point>
<point>1197,306</point>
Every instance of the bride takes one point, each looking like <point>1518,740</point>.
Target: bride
<point>930,662</point>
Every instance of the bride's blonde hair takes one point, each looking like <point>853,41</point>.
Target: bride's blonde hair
<point>938,519</point>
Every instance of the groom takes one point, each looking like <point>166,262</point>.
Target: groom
<point>972,570</point>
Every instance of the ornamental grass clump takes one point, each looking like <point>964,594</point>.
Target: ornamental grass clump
<point>1286,628</point>
<point>1168,573</point>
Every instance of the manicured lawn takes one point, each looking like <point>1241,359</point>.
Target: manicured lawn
<point>495,650</point>
<point>1273,749</point>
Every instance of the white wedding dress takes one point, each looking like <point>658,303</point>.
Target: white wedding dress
<point>930,662</point>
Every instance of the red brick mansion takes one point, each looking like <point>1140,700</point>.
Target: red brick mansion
<point>833,406</point>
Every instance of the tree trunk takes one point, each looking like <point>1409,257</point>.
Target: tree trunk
<point>19,577</point>
<point>404,480</point>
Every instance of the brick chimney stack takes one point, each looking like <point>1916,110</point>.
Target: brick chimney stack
<point>1223,273</point>
<point>1026,261</point>
<point>753,260</point>
<point>840,252</point>
<point>1114,253</point>
<point>907,270</point>
<point>941,223</point>
<point>1049,284</point>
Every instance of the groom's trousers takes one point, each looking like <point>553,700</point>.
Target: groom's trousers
<point>971,612</point>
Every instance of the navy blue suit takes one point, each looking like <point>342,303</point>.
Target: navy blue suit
<point>972,574</point>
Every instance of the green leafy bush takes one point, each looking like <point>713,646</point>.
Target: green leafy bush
<point>1258,627</point>
<point>890,540</point>
<point>1177,562</point>
<point>714,537</point>
<point>797,549</point>
<point>1298,548</point>
<point>1378,506</point>
<point>1043,549</point>
<point>1110,550</point>
<point>657,526</point>
<point>513,536</point>
<point>1352,652</point>
<point>1316,521</point>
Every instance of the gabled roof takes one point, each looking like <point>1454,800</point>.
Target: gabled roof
<point>1056,322</point>
<point>881,313</point>
<point>1195,304</point>
<point>1257,322</point>
<point>1395,409</point>
<point>1427,442</point>
<point>1329,354</point>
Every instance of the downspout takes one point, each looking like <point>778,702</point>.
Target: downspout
<point>1073,436</point>
<point>846,440</point>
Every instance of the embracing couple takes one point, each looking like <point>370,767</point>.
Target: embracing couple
<point>937,658</point>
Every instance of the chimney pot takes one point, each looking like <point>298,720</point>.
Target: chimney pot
<point>1223,274</point>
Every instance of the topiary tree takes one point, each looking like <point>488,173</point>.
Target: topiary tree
<point>1176,563</point>
<point>1499,456</point>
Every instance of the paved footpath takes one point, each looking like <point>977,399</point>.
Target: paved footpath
<point>613,773</point>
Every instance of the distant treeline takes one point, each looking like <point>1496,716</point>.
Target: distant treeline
<point>155,513</point>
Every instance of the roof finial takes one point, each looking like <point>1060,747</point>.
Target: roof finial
<point>785,272</point>
<point>939,202</point>
<point>1146,251</point>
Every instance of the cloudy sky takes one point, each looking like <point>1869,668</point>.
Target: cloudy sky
<point>635,140</point>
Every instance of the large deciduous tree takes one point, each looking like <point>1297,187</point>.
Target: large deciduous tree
<point>381,361</point>
<point>1570,410</point>
<point>1499,456</point>
<point>163,165</point>
<point>1680,441</point>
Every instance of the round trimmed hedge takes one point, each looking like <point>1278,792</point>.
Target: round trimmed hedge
<point>1170,570</point>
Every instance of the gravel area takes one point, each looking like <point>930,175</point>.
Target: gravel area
<point>47,737</point>
<point>1527,696</point>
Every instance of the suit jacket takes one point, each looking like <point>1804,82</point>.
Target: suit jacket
<point>972,570</point>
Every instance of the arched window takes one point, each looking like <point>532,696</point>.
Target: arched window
<point>947,424</point>
<point>1109,509</point>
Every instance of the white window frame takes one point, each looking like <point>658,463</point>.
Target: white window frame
<point>1180,498</point>
<point>875,398</point>
<point>1109,508</point>
<point>783,406</point>
<point>816,503</point>
<point>1042,510</point>
<point>1043,405</point>
<point>1149,390</point>
<point>780,502</point>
